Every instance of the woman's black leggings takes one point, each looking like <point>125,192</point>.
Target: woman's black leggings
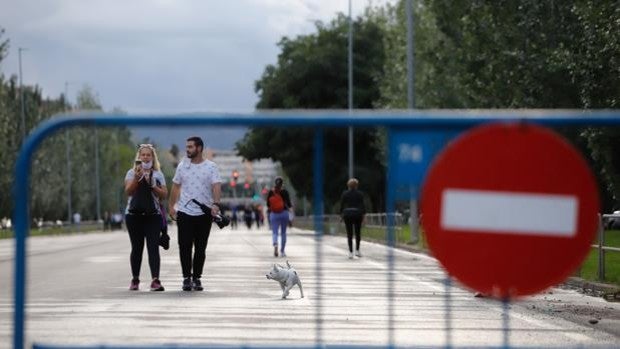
<point>140,228</point>
<point>193,233</point>
<point>353,223</point>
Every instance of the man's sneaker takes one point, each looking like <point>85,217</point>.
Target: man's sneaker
<point>357,253</point>
<point>134,285</point>
<point>156,285</point>
<point>350,255</point>
<point>282,254</point>
<point>187,284</point>
<point>275,251</point>
<point>197,285</point>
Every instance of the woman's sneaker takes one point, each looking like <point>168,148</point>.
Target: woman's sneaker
<point>156,285</point>
<point>197,285</point>
<point>187,284</point>
<point>134,285</point>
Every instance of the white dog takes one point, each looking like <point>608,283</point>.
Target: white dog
<point>287,277</point>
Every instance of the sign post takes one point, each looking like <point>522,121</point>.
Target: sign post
<point>411,153</point>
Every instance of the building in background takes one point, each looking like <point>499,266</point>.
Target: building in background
<point>243,181</point>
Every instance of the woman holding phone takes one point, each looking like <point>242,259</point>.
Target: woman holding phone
<point>145,185</point>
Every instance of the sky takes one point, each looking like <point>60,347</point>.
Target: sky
<point>156,55</point>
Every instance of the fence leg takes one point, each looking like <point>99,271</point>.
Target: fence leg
<point>413,209</point>
<point>601,251</point>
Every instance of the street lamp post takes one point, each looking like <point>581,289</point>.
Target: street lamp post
<point>68,151</point>
<point>413,204</point>
<point>21,92</point>
<point>350,91</point>
<point>97,181</point>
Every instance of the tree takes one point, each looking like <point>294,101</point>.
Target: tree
<point>312,73</point>
<point>514,54</point>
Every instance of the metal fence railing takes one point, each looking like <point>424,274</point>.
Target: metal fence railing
<point>332,223</point>
<point>600,245</point>
<point>422,121</point>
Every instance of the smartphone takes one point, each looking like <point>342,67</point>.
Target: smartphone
<point>138,162</point>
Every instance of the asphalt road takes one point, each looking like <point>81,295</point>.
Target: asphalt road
<point>78,295</point>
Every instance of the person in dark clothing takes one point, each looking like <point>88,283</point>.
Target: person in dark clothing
<point>352,210</point>
<point>247,216</point>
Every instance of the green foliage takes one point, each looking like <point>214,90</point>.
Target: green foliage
<point>589,268</point>
<point>312,72</point>
<point>513,54</point>
<point>4,45</point>
<point>49,185</point>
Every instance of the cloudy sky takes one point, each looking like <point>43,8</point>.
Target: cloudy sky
<point>156,55</point>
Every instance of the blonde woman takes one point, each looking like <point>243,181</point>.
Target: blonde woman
<point>145,186</point>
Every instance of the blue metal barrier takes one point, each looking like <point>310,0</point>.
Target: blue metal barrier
<point>317,119</point>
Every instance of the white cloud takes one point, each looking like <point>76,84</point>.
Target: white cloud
<point>173,55</point>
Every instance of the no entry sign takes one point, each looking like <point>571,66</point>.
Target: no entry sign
<point>510,209</point>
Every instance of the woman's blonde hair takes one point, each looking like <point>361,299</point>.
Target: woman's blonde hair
<point>352,183</point>
<point>156,165</point>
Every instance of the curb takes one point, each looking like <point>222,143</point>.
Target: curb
<point>608,292</point>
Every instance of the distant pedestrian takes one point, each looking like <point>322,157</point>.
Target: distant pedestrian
<point>107,221</point>
<point>196,180</point>
<point>77,218</point>
<point>248,216</point>
<point>257,215</point>
<point>278,205</point>
<point>145,185</point>
<point>234,218</point>
<point>352,210</point>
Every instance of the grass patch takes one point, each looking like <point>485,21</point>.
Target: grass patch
<point>589,268</point>
<point>66,230</point>
<point>379,234</point>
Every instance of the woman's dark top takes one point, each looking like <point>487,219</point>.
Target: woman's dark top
<point>352,203</point>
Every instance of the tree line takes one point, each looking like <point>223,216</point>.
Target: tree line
<point>468,54</point>
<point>49,184</point>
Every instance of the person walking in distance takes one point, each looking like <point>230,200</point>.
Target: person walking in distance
<point>196,179</point>
<point>145,185</point>
<point>353,210</point>
<point>278,204</point>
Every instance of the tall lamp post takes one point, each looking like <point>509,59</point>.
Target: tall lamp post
<point>413,204</point>
<point>97,181</point>
<point>21,93</point>
<point>68,151</point>
<point>350,91</point>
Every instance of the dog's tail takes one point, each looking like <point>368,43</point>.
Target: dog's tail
<point>288,264</point>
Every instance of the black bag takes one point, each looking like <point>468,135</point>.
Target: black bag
<point>164,238</point>
<point>220,220</point>
<point>142,202</point>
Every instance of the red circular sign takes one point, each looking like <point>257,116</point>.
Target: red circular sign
<point>510,209</point>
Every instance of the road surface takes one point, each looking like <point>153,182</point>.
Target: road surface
<point>78,295</point>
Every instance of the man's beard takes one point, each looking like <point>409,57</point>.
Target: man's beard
<point>191,155</point>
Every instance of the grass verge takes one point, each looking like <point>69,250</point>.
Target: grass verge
<point>65,230</point>
<point>588,270</point>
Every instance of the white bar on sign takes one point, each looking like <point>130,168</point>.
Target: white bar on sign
<point>509,212</point>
